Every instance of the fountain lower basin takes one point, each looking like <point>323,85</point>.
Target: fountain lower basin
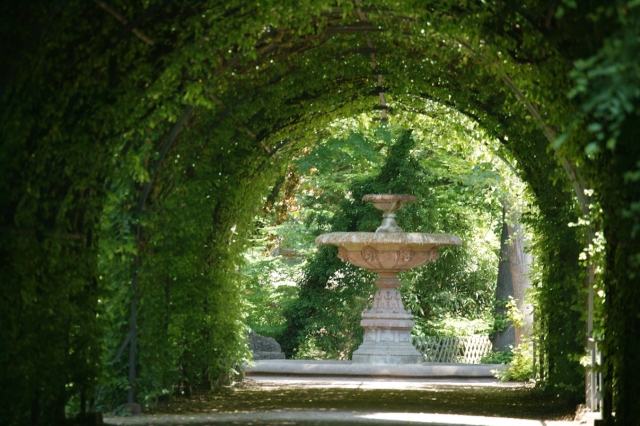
<point>388,251</point>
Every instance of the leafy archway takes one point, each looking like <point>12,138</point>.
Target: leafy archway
<point>101,93</point>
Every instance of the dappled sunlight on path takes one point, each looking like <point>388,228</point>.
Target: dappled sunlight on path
<point>454,419</point>
<point>307,401</point>
<point>319,417</point>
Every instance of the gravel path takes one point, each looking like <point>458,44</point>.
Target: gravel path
<point>276,400</point>
<point>320,417</point>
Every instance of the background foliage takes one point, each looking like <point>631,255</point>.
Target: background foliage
<point>87,103</point>
<point>332,294</point>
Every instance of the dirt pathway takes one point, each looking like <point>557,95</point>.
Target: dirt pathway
<point>346,401</point>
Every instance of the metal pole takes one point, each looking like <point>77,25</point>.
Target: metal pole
<point>134,281</point>
<point>590,374</point>
<point>134,303</point>
<point>132,343</point>
<point>535,369</point>
<point>594,401</point>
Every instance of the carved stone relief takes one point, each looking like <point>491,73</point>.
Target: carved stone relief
<point>406,254</point>
<point>343,254</point>
<point>369,254</point>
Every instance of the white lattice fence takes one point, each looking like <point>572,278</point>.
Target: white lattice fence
<point>465,349</point>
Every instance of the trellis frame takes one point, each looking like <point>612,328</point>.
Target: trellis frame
<point>463,349</point>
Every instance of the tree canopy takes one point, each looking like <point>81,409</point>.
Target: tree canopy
<point>139,138</point>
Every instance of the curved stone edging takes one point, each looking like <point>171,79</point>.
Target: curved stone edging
<point>348,368</point>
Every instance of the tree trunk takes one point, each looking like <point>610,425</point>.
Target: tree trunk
<point>519,263</point>
<point>513,281</point>
<point>503,339</point>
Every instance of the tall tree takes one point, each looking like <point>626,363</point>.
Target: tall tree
<point>513,282</point>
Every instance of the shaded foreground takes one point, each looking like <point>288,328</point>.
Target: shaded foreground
<point>363,400</point>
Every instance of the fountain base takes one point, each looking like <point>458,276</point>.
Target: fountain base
<point>387,354</point>
<point>387,330</point>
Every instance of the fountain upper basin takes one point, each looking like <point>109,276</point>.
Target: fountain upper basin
<point>388,252</point>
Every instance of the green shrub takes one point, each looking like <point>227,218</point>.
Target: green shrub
<point>453,326</point>
<point>521,367</point>
<point>497,357</point>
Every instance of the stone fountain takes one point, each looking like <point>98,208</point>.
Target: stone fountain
<point>388,251</point>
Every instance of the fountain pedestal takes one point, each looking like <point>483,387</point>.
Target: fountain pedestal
<point>387,329</point>
<point>388,251</point>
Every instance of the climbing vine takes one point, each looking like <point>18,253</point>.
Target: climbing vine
<point>90,95</point>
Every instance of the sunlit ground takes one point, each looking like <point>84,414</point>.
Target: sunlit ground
<point>340,401</point>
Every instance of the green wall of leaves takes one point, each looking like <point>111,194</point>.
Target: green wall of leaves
<point>87,103</point>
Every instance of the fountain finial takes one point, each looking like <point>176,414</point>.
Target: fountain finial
<point>389,203</point>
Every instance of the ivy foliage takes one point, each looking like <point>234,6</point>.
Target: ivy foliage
<point>187,249</point>
<point>605,86</point>
<point>88,102</point>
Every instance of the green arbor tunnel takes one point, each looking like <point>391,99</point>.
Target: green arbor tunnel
<point>237,90</point>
